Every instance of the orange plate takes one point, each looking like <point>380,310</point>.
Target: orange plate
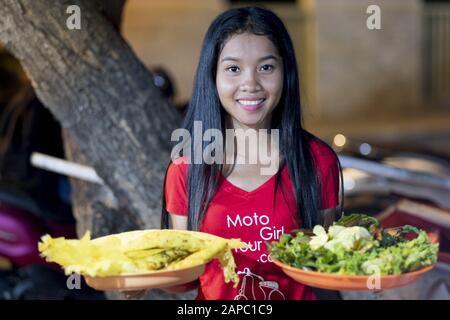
<point>156,279</point>
<point>348,282</point>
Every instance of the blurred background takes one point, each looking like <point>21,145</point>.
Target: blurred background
<point>381,98</point>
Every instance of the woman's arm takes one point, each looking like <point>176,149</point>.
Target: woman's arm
<point>179,222</point>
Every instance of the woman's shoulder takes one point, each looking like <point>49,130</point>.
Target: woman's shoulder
<point>178,166</point>
<point>320,148</point>
<point>179,162</point>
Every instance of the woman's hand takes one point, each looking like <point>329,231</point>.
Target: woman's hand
<point>185,287</point>
<point>134,295</point>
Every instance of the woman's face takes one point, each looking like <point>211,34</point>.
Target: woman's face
<point>249,80</point>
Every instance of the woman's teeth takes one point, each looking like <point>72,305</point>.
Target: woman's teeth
<point>250,102</point>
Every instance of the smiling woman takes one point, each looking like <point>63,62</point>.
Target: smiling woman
<point>247,80</point>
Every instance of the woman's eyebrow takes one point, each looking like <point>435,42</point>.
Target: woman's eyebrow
<point>270,56</point>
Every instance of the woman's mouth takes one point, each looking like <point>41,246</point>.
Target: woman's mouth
<point>251,105</point>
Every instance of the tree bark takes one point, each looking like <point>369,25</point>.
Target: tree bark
<point>112,115</point>
<point>94,206</point>
<point>112,10</point>
<point>103,97</point>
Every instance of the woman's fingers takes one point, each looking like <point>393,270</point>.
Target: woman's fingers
<point>137,294</point>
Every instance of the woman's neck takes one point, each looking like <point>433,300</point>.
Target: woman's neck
<point>251,145</point>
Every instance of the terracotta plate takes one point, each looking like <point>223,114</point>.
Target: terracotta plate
<point>156,279</point>
<point>333,281</point>
<point>348,282</point>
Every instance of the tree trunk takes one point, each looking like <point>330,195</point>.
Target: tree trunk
<point>102,95</point>
<point>112,115</point>
<point>94,206</point>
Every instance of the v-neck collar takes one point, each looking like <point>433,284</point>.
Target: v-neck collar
<point>231,187</point>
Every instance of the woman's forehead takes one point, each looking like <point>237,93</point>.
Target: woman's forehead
<point>248,46</point>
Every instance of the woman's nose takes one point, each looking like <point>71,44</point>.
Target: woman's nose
<point>250,83</point>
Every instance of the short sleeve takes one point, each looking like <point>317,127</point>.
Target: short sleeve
<point>175,188</point>
<point>329,172</point>
<point>327,164</point>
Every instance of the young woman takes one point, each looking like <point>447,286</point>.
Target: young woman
<point>247,79</point>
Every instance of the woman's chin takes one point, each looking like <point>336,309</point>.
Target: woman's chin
<point>251,122</point>
<point>251,119</point>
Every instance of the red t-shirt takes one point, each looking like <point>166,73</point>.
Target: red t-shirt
<point>250,216</point>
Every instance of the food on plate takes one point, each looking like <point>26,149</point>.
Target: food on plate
<point>356,245</point>
<point>139,252</point>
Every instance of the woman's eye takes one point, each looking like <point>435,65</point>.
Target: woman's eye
<point>267,67</point>
<point>233,69</point>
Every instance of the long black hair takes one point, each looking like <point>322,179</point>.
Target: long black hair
<point>205,106</point>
